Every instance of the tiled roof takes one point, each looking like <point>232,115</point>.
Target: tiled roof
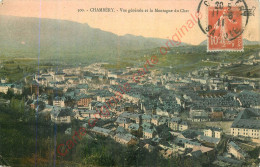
<point>234,145</point>
<point>134,126</point>
<point>209,139</point>
<point>229,160</point>
<point>101,130</point>
<point>122,120</point>
<point>246,119</point>
<point>126,137</point>
<point>186,141</point>
<point>177,119</point>
<point>213,128</point>
<point>149,130</point>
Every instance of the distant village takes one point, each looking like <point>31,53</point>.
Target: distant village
<point>187,115</point>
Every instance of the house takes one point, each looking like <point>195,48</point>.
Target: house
<point>173,123</point>
<point>178,134</point>
<point>132,116</point>
<point>67,76</point>
<point>89,114</point>
<point>177,124</point>
<point>104,96</point>
<point>44,98</point>
<point>62,117</point>
<point>198,115</point>
<point>128,107</point>
<point>200,118</point>
<point>82,88</point>
<point>149,133</point>
<point>3,80</point>
<point>155,119</point>
<point>191,144</point>
<point>210,140</point>
<point>126,139</point>
<point>183,126</point>
<point>161,112</point>
<point>88,78</point>
<point>18,89</point>
<point>191,133</point>
<point>59,101</point>
<point>101,131</point>
<point>48,77</point>
<point>78,116</point>
<point>138,119</point>
<point>135,98</point>
<point>59,76</point>
<point>59,115</point>
<point>123,122</point>
<point>149,130</point>
<point>83,100</point>
<point>133,127</point>
<point>236,151</point>
<point>114,74</point>
<point>186,143</point>
<point>247,124</point>
<point>4,87</point>
<point>146,118</point>
<point>212,132</point>
<point>200,80</point>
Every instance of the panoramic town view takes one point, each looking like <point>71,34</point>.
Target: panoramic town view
<point>74,95</point>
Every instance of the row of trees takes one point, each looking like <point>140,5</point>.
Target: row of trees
<point>102,151</point>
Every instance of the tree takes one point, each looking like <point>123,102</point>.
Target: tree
<point>254,153</point>
<point>9,94</point>
<point>188,162</point>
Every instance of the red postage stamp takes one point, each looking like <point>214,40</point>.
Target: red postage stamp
<point>225,29</point>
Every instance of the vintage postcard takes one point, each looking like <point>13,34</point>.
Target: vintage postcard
<point>129,83</point>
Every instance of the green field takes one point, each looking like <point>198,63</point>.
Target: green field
<point>182,60</point>
<point>16,69</point>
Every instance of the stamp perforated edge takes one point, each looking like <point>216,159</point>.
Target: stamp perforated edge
<point>223,50</point>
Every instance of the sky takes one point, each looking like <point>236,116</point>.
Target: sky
<point>147,24</point>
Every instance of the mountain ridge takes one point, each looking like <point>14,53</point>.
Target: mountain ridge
<point>63,36</point>
<point>21,36</point>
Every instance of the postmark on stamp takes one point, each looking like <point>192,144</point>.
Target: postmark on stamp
<point>224,24</point>
<point>224,29</point>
